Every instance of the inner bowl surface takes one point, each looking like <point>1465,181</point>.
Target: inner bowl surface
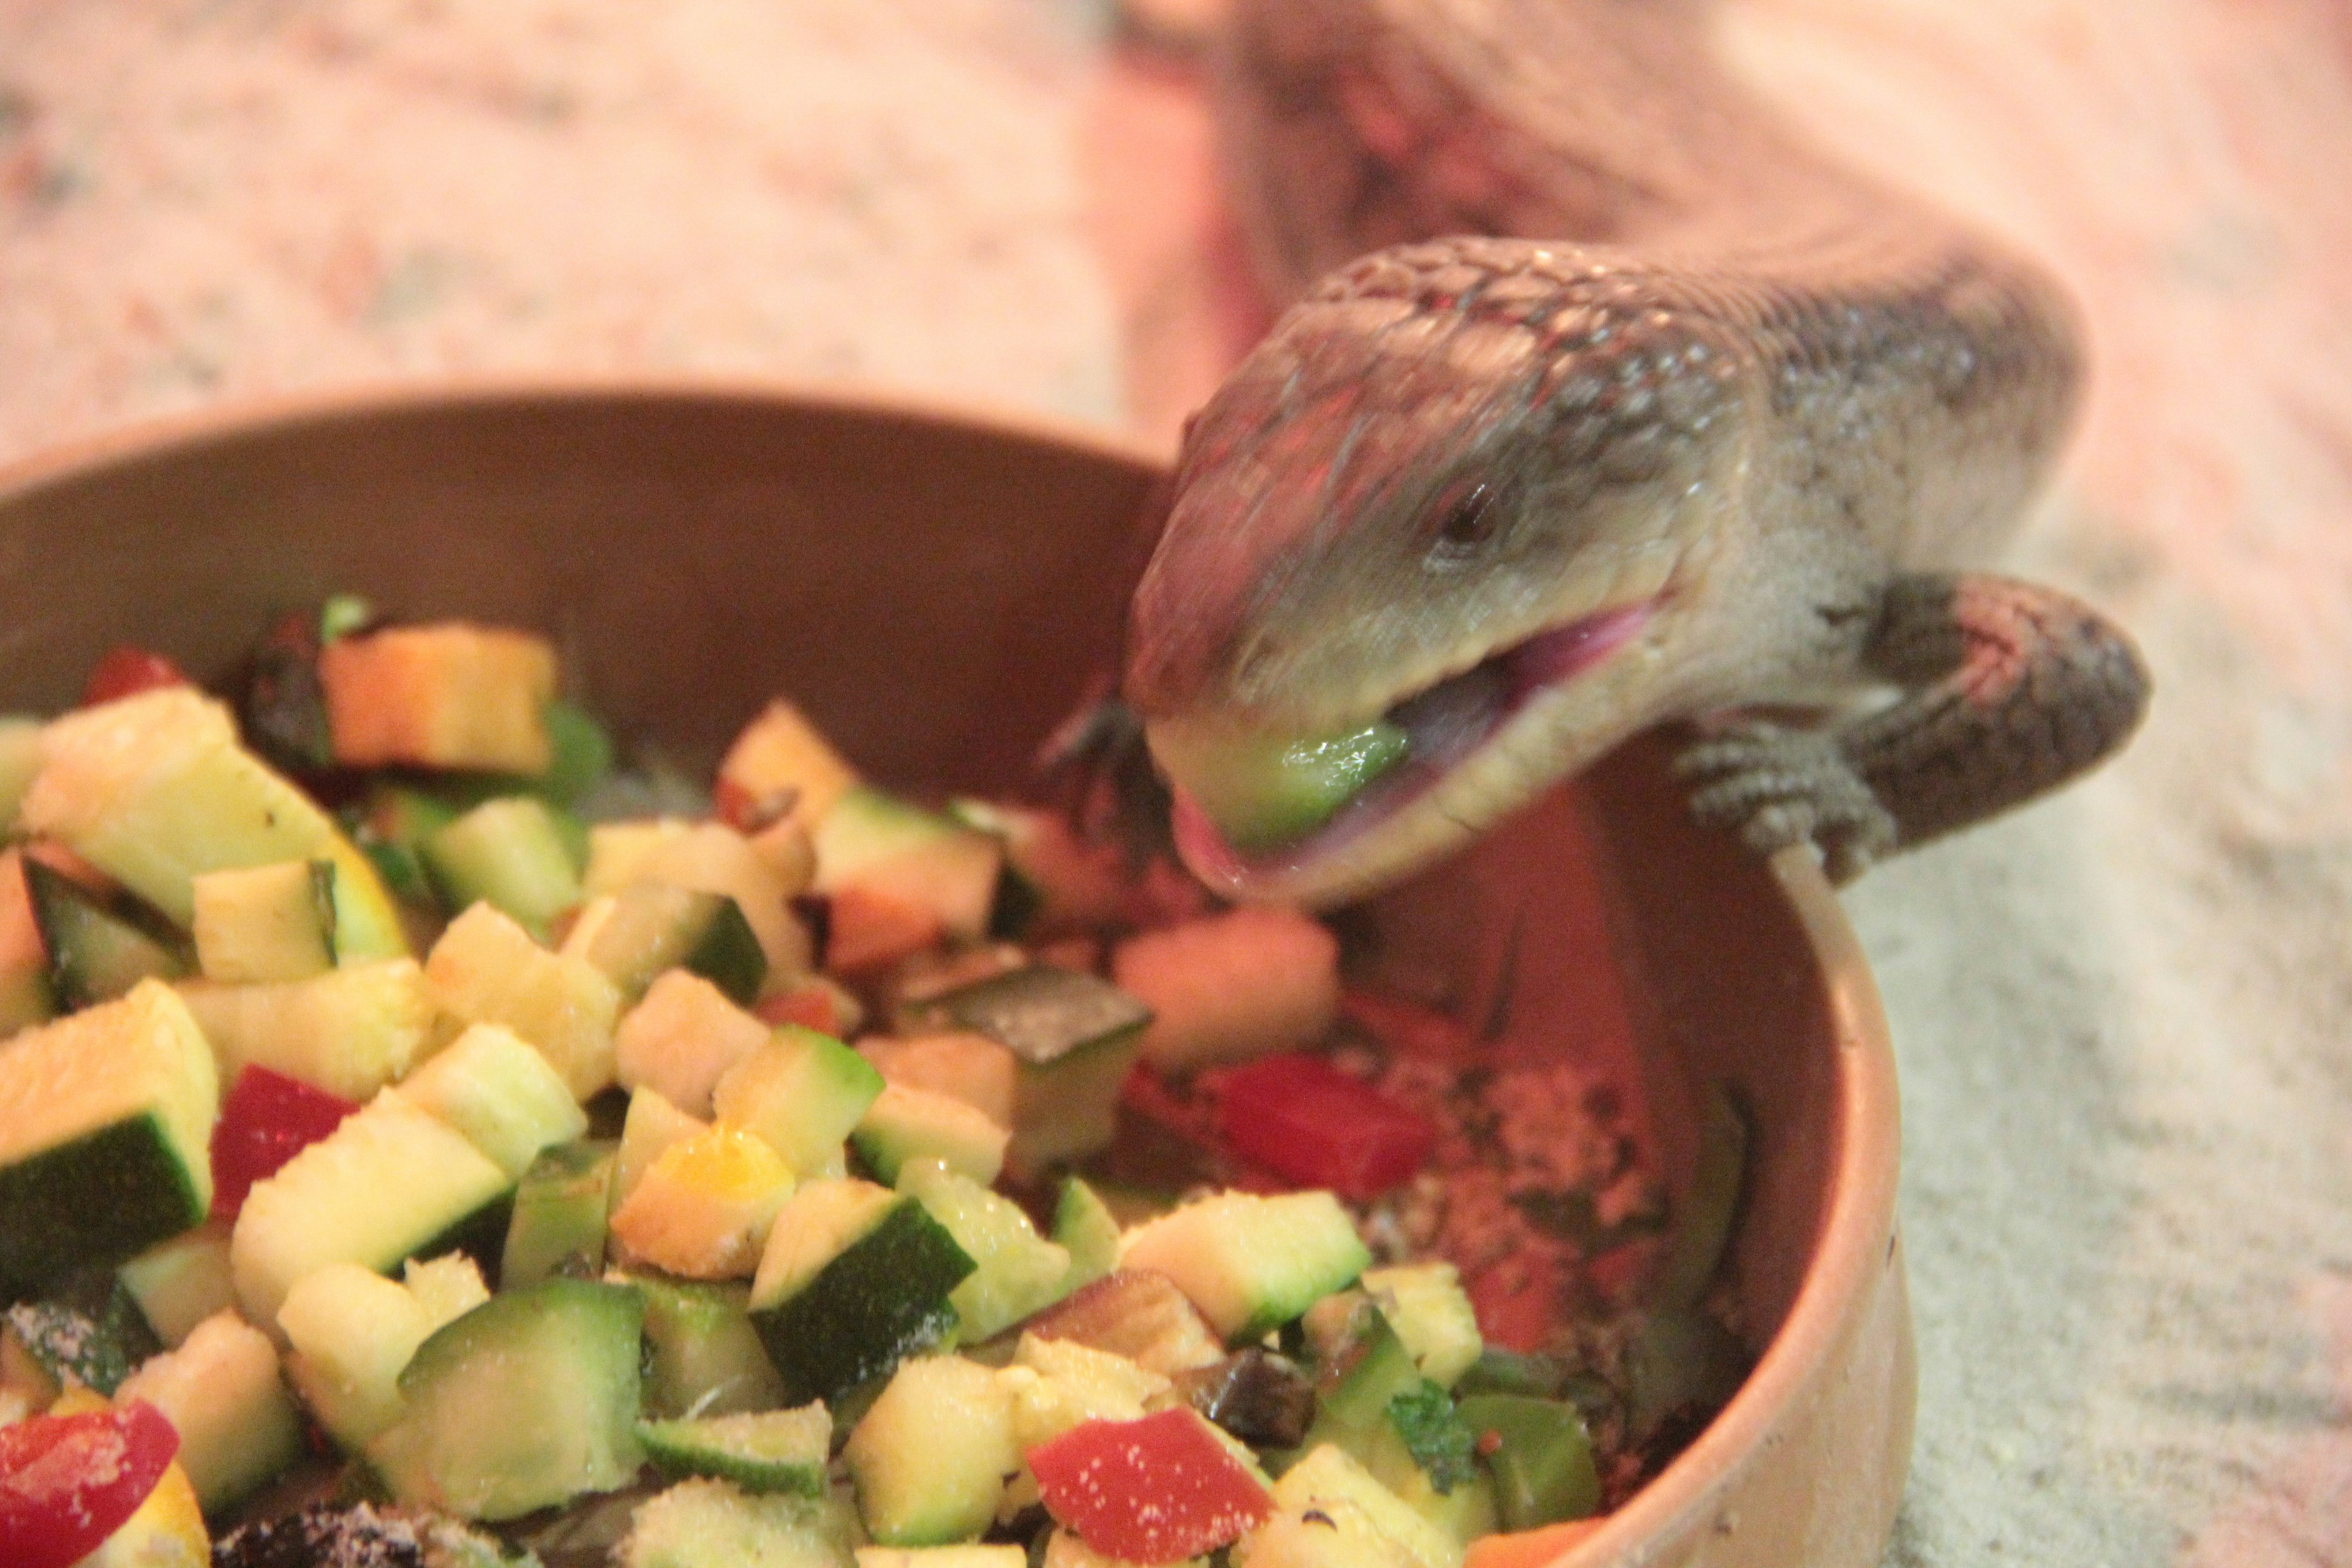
<point>938,591</point>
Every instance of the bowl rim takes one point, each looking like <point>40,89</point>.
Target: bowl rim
<point>1852,1245</point>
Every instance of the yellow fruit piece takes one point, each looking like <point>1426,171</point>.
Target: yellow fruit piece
<point>704,1206</point>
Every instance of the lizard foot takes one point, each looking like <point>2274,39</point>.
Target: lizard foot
<point>1098,768</point>
<point>1775,786</point>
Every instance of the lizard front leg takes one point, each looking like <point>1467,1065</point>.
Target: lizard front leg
<point>2007,689</point>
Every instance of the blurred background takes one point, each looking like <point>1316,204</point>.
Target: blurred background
<point>2122,1016</point>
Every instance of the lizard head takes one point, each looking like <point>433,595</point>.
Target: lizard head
<point>1428,554</point>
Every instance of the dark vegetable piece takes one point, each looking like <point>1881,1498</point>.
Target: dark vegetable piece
<point>1703,1231</point>
<point>362,1536</point>
<point>1540,1457</point>
<point>281,708</point>
<point>1258,1396</point>
<point>67,1482</point>
<point>265,1119</point>
<point>1307,1121</point>
<point>1437,1437</point>
<point>127,670</point>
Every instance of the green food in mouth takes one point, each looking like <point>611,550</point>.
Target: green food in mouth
<point>1261,791</point>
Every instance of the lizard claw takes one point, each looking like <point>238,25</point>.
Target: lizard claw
<point>1098,768</point>
<point>1775,786</point>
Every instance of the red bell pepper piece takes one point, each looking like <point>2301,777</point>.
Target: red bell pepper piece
<point>266,1120</point>
<point>1308,1122</point>
<point>125,670</point>
<point>67,1482</point>
<point>1156,1491</point>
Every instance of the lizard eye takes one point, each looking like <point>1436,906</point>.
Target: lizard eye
<point>1464,519</point>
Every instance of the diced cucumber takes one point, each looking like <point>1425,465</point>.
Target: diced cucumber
<point>713,1524</point>
<point>653,927</point>
<point>1264,790</point>
<point>930,1455</point>
<point>266,923</point>
<point>652,1125</point>
<point>1075,1036</point>
<point>350,1031</point>
<point>389,1183</point>
<point>1539,1455</point>
<point>24,996</point>
<point>180,1282</point>
<point>1251,1263</point>
<point>486,969</point>
<point>855,1280</point>
<point>443,696</point>
<point>97,951</point>
<point>507,852</point>
<point>706,1357</point>
<point>526,1402</point>
<point>874,840</point>
<point>155,789</point>
<point>502,1095</point>
<point>558,1214</point>
<point>765,1451</point>
<point>780,755</point>
<point>1016,1271</point>
<point>1086,1229</point>
<point>1247,983</point>
<point>803,1092</point>
<point>106,1122</point>
<point>906,1124</point>
<point>702,1209</point>
<point>682,1039</point>
<point>1426,1305</point>
<point>221,1390</point>
<point>90,1333</point>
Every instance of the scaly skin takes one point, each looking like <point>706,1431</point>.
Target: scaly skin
<point>1755,407</point>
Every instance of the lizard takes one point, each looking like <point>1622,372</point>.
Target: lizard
<point>1605,404</point>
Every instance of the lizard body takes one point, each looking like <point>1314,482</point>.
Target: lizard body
<point>1722,442</point>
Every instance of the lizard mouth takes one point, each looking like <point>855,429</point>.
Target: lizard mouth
<point>1445,725</point>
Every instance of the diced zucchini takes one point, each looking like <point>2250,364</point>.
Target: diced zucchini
<point>181,1281</point>
<point>705,1357</point>
<point>1077,883</point>
<point>1251,1263</point>
<point>803,1092</point>
<point>1085,1226</point>
<point>1539,1455</point>
<point>449,1284</point>
<point>526,1402</point>
<point>963,1555</point>
<point>1332,1513</point>
<point>708,1524</point>
<point>392,831</point>
<point>24,996</point>
<point>872,840</point>
<point>507,852</point>
<point>388,1183</point>
<point>653,927</point>
<point>502,1095</point>
<point>702,1209</point>
<point>221,1390</point>
<point>350,1031</point>
<point>352,1331</point>
<point>1056,1385</point>
<point>682,1039</point>
<point>1264,789</point>
<point>1134,1313</point>
<point>1426,1305</point>
<point>106,1122</point>
<point>1359,1410</point>
<point>443,696</point>
<point>710,858</point>
<point>96,949</point>
<point>1247,983</point>
<point>652,1125</point>
<point>154,790</point>
<point>766,1451</point>
<point>486,969</point>
<point>582,752</point>
<point>560,1212</point>
<point>930,1455</point>
<point>1064,1549</point>
<point>909,1124</point>
<point>92,1333</point>
<point>1016,1271</point>
<point>780,755</point>
<point>266,923</point>
<point>853,1280</point>
<point>1075,1037</point>
<point>972,1067</point>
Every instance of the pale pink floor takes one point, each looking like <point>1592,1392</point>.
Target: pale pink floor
<point>2124,1017</point>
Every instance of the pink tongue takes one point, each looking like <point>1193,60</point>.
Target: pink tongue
<point>1202,848</point>
<point>1550,658</point>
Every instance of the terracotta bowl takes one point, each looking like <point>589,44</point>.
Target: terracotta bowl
<point>937,589</point>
